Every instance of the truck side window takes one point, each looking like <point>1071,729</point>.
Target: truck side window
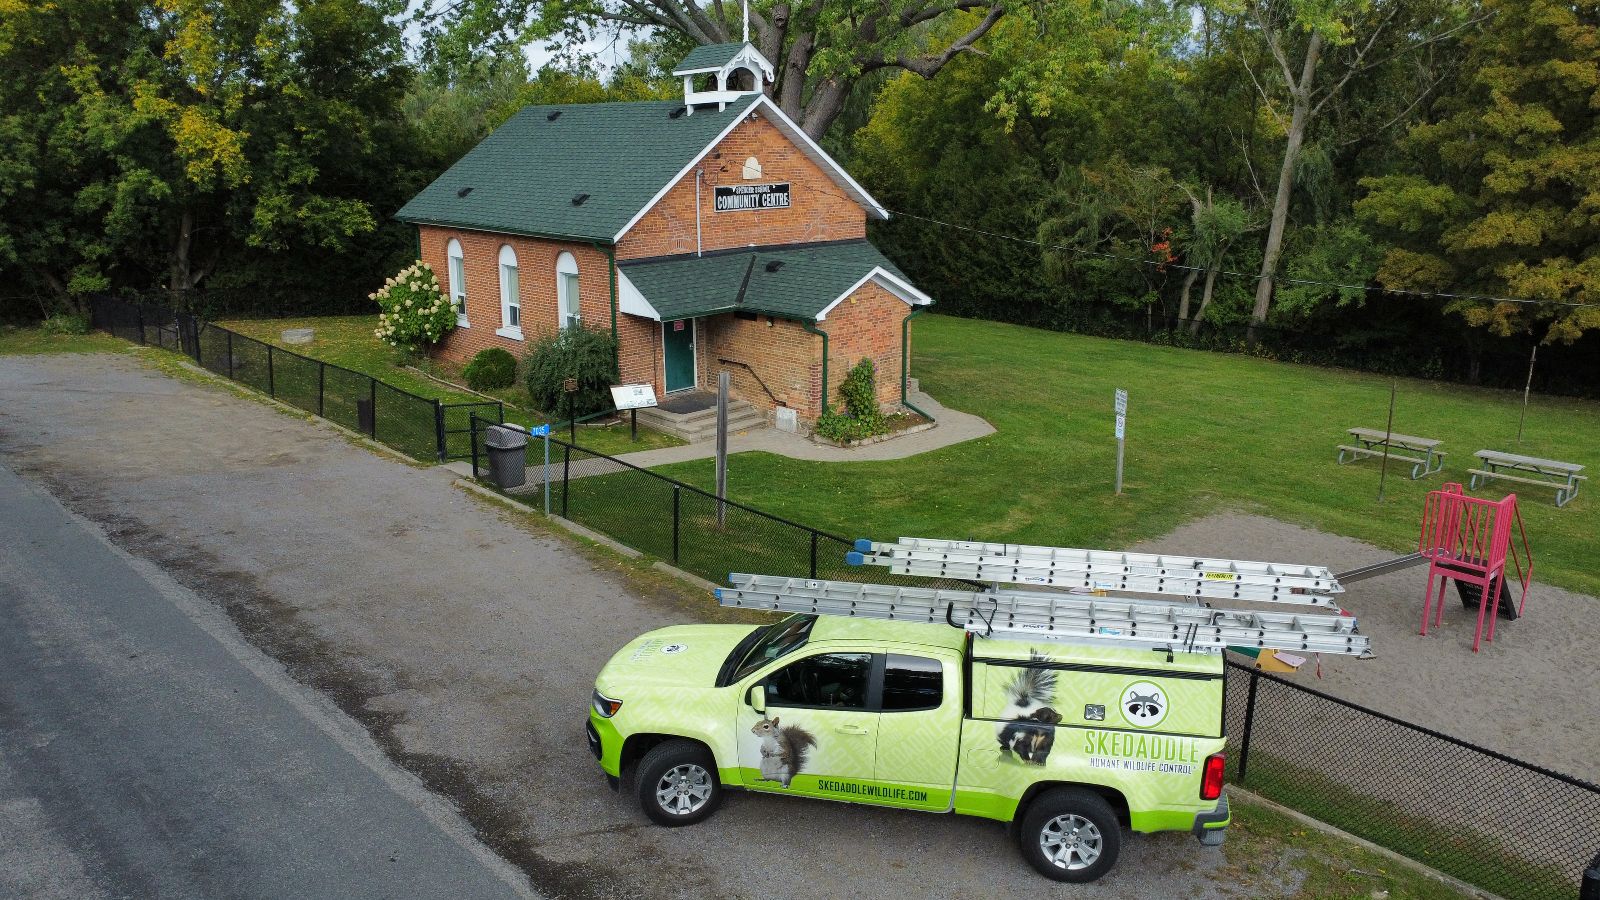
<point>912,682</point>
<point>832,680</point>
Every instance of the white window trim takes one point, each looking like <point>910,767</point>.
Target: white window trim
<point>456,264</point>
<point>507,330</point>
<point>567,264</point>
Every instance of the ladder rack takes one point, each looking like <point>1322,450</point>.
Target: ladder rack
<point>1060,617</point>
<point>1104,571</point>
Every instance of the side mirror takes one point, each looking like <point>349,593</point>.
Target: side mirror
<point>757,698</point>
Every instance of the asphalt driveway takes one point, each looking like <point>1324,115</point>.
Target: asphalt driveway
<point>465,639</point>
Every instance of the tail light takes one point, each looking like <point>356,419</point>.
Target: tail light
<point>1211,781</point>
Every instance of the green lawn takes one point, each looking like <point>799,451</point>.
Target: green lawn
<point>347,341</point>
<point>15,340</point>
<point>1206,432</point>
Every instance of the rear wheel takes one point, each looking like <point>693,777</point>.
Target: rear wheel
<point>1070,834</point>
<point>677,783</point>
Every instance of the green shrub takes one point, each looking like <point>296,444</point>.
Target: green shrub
<point>491,369</point>
<point>414,311</point>
<point>65,323</point>
<point>860,418</point>
<point>587,355</point>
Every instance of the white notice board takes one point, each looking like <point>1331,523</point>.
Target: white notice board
<point>633,396</point>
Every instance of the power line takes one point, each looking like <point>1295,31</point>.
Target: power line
<point>1254,277</point>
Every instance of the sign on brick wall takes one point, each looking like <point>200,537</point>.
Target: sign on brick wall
<point>733,197</point>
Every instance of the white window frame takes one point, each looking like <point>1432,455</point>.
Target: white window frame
<point>569,309</point>
<point>456,268</point>
<point>510,295</point>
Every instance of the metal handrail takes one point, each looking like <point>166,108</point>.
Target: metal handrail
<point>748,368</point>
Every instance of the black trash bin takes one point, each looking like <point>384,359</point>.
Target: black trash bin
<point>508,447</point>
<point>1590,888</point>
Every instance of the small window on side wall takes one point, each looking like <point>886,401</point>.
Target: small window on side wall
<point>510,295</point>
<point>567,290</point>
<point>458,280</point>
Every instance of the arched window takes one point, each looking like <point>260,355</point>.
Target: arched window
<point>458,279</point>
<point>567,290</point>
<point>510,294</point>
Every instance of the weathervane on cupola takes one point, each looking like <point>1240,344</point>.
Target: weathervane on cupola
<point>736,70</point>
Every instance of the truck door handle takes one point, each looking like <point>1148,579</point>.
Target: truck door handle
<point>850,729</point>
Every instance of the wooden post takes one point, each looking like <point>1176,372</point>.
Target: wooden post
<point>1525,389</point>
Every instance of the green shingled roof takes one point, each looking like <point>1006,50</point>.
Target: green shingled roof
<point>708,56</point>
<point>809,277</point>
<point>525,175</point>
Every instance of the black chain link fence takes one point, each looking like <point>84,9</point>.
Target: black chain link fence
<point>416,426</point>
<point>1519,830</point>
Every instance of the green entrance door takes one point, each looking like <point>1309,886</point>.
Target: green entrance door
<point>677,338</point>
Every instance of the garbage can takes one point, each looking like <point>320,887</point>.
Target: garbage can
<point>508,447</point>
<point>1589,889</point>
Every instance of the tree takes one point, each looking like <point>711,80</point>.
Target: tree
<point>157,141</point>
<point>819,49</point>
<point>1316,47</point>
<point>1215,225</point>
<point>1500,193</point>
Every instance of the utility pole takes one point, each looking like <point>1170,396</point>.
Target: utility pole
<point>722,448</point>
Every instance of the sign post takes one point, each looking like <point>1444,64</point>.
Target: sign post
<point>544,432</point>
<point>722,448</point>
<point>1122,421</point>
<point>633,397</point>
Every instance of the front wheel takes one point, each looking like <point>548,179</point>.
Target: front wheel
<point>677,783</point>
<point>1070,834</point>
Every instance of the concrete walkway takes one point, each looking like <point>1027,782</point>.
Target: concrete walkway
<point>951,427</point>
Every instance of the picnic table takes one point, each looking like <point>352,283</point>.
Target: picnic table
<point>1563,476</point>
<point>1423,453</point>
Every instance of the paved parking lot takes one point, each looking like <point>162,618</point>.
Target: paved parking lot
<point>465,639</point>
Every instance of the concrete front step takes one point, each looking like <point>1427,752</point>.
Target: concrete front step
<point>702,424</point>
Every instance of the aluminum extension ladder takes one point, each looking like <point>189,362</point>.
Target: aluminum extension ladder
<point>1104,571</point>
<point>1178,627</point>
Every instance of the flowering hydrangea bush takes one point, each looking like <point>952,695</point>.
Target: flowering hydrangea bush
<point>414,310</point>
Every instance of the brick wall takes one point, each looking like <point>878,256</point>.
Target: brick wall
<point>866,324</point>
<point>785,355</point>
<point>819,210</point>
<point>536,277</point>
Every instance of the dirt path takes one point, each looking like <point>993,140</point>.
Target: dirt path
<point>467,641</point>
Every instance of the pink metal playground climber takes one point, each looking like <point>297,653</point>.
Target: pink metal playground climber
<point>1469,541</point>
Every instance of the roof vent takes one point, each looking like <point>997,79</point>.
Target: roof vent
<point>774,265</point>
<point>463,192</point>
<point>578,199</point>
<point>678,113</point>
<point>553,116</point>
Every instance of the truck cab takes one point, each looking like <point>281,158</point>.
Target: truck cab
<point>1068,743</point>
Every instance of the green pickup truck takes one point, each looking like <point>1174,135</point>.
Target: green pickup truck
<point>1067,743</point>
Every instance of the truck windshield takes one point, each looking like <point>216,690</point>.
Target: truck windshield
<point>778,639</point>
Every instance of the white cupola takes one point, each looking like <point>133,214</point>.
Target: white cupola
<point>736,69</point>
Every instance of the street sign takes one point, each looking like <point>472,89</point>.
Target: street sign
<point>1122,422</point>
<point>633,396</point>
<point>1122,402</point>
<point>539,431</point>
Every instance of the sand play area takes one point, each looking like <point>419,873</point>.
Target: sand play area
<point>1534,693</point>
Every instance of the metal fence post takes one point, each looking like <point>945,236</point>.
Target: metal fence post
<point>372,404</point>
<point>1249,723</point>
<point>676,493</point>
<point>813,554</point>
<point>472,430</point>
<point>322,387</point>
<point>566,476</point>
<point>438,427</point>
<point>272,384</point>
<point>230,355</point>
<point>138,312</point>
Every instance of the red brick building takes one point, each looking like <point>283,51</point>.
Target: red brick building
<point>708,234</point>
